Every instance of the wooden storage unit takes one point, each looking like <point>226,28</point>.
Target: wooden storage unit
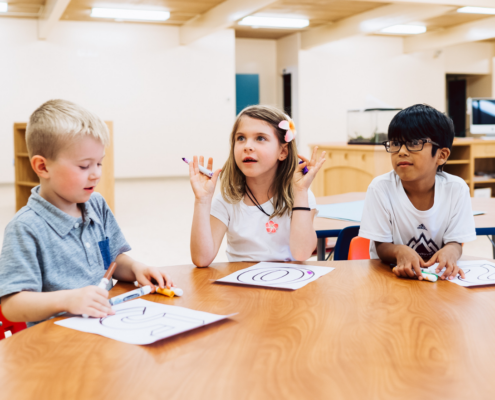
<point>351,168</point>
<point>26,179</point>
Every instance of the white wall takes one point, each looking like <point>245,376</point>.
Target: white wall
<point>259,56</point>
<point>338,76</point>
<point>167,101</point>
<point>288,61</point>
<point>469,58</point>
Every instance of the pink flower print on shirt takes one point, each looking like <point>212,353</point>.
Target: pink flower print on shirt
<point>271,227</point>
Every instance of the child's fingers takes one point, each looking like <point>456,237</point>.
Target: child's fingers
<point>196,165</point>
<point>417,269</point>
<point>408,270</point>
<point>432,261</point>
<point>303,158</point>
<point>95,313</point>
<point>101,308</point>
<point>441,265</point>
<point>191,169</point>
<point>168,281</point>
<point>460,272</point>
<point>210,164</point>
<point>455,270</point>
<point>157,275</point>
<point>214,178</point>
<point>313,155</point>
<point>202,161</point>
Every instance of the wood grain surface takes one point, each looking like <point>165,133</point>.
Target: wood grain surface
<point>486,220</point>
<point>358,332</point>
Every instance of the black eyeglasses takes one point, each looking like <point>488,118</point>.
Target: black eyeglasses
<point>394,146</point>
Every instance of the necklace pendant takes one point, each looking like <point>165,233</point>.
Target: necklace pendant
<point>271,227</point>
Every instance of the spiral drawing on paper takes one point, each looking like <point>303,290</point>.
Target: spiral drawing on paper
<point>478,274</point>
<point>275,276</point>
<point>138,319</point>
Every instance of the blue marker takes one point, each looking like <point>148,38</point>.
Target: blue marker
<point>130,295</point>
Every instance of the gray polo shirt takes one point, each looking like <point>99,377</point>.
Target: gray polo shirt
<point>45,249</point>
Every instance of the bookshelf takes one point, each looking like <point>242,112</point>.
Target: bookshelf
<point>26,179</point>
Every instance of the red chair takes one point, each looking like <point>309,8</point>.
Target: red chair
<point>6,325</point>
<point>359,249</point>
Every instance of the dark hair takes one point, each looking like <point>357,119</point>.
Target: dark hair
<point>422,121</point>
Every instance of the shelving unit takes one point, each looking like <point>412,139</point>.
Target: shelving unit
<point>26,179</point>
<point>471,155</point>
<point>351,168</point>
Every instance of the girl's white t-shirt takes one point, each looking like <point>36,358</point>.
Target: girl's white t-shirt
<point>247,236</point>
<point>389,216</point>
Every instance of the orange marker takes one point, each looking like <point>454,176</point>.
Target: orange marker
<point>173,291</point>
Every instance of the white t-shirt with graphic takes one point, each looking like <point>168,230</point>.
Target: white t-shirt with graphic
<point>390,217</point>
<point>248,236</point>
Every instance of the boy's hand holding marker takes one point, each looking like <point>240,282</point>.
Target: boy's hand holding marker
<point>447,258</point>
<point>410,263</point>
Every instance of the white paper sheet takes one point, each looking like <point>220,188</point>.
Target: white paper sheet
<point>478,273</point>
<point>143,322</point>
<point>278,275</point>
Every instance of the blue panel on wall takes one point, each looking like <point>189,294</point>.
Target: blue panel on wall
<point>247,91</point>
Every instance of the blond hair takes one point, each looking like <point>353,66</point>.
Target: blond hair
<point>233,181</point>
<point>56,122</point>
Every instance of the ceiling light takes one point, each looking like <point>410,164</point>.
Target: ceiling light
<point>271,22</point>
<point>405,29</point>
<point>4,7</point>
<point>476,10</point>
<point>116,13</point>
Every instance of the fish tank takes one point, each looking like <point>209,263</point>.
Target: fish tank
<point>370,125</point>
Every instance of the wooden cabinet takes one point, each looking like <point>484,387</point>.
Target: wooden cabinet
<point>351,168</point>
<point>26,179</point>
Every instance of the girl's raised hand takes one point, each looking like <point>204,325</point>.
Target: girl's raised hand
<point>301,181</point>
<point>203,187</point>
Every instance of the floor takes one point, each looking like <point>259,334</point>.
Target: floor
<point>155,216</point>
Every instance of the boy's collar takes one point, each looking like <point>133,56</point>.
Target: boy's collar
<point>61,222</point>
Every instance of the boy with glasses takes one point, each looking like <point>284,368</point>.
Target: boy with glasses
<point>417,215</point>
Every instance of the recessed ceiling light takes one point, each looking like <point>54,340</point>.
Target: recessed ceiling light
<point>4,7</point>
<point>476,10</point>
<point>272,22</point>
<point>405,29</point>
<point>117,13</point>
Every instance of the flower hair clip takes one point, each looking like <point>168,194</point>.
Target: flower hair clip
<point>288,126</point>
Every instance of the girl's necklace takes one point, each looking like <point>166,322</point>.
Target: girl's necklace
<point>271,226</point>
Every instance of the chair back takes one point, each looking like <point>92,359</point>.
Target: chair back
<point>6,325</point>
<point>359,249</point>
<point>343,242</point>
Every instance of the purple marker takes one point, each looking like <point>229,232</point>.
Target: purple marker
<point>203,170</point>
<point>305,170</point>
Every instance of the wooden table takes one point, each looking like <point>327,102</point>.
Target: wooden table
<point>326,227</point>
<point>358,332</point>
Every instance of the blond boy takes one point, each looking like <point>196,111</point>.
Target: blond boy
<point>57,247</point>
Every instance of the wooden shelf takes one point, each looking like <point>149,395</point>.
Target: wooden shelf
<point>26,183</point>
<point>484,181</point>
<point>22,155</point>
<point>456,162</point>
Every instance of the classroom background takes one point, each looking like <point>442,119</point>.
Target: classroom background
<point>171,88</point>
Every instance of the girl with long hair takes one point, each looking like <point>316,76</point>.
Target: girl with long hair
<point>265,207</point>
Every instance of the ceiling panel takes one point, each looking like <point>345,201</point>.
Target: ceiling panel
<point>24,8</point>
<point>319,12</point>
<point>180,10</point>
<point>453,18</point>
